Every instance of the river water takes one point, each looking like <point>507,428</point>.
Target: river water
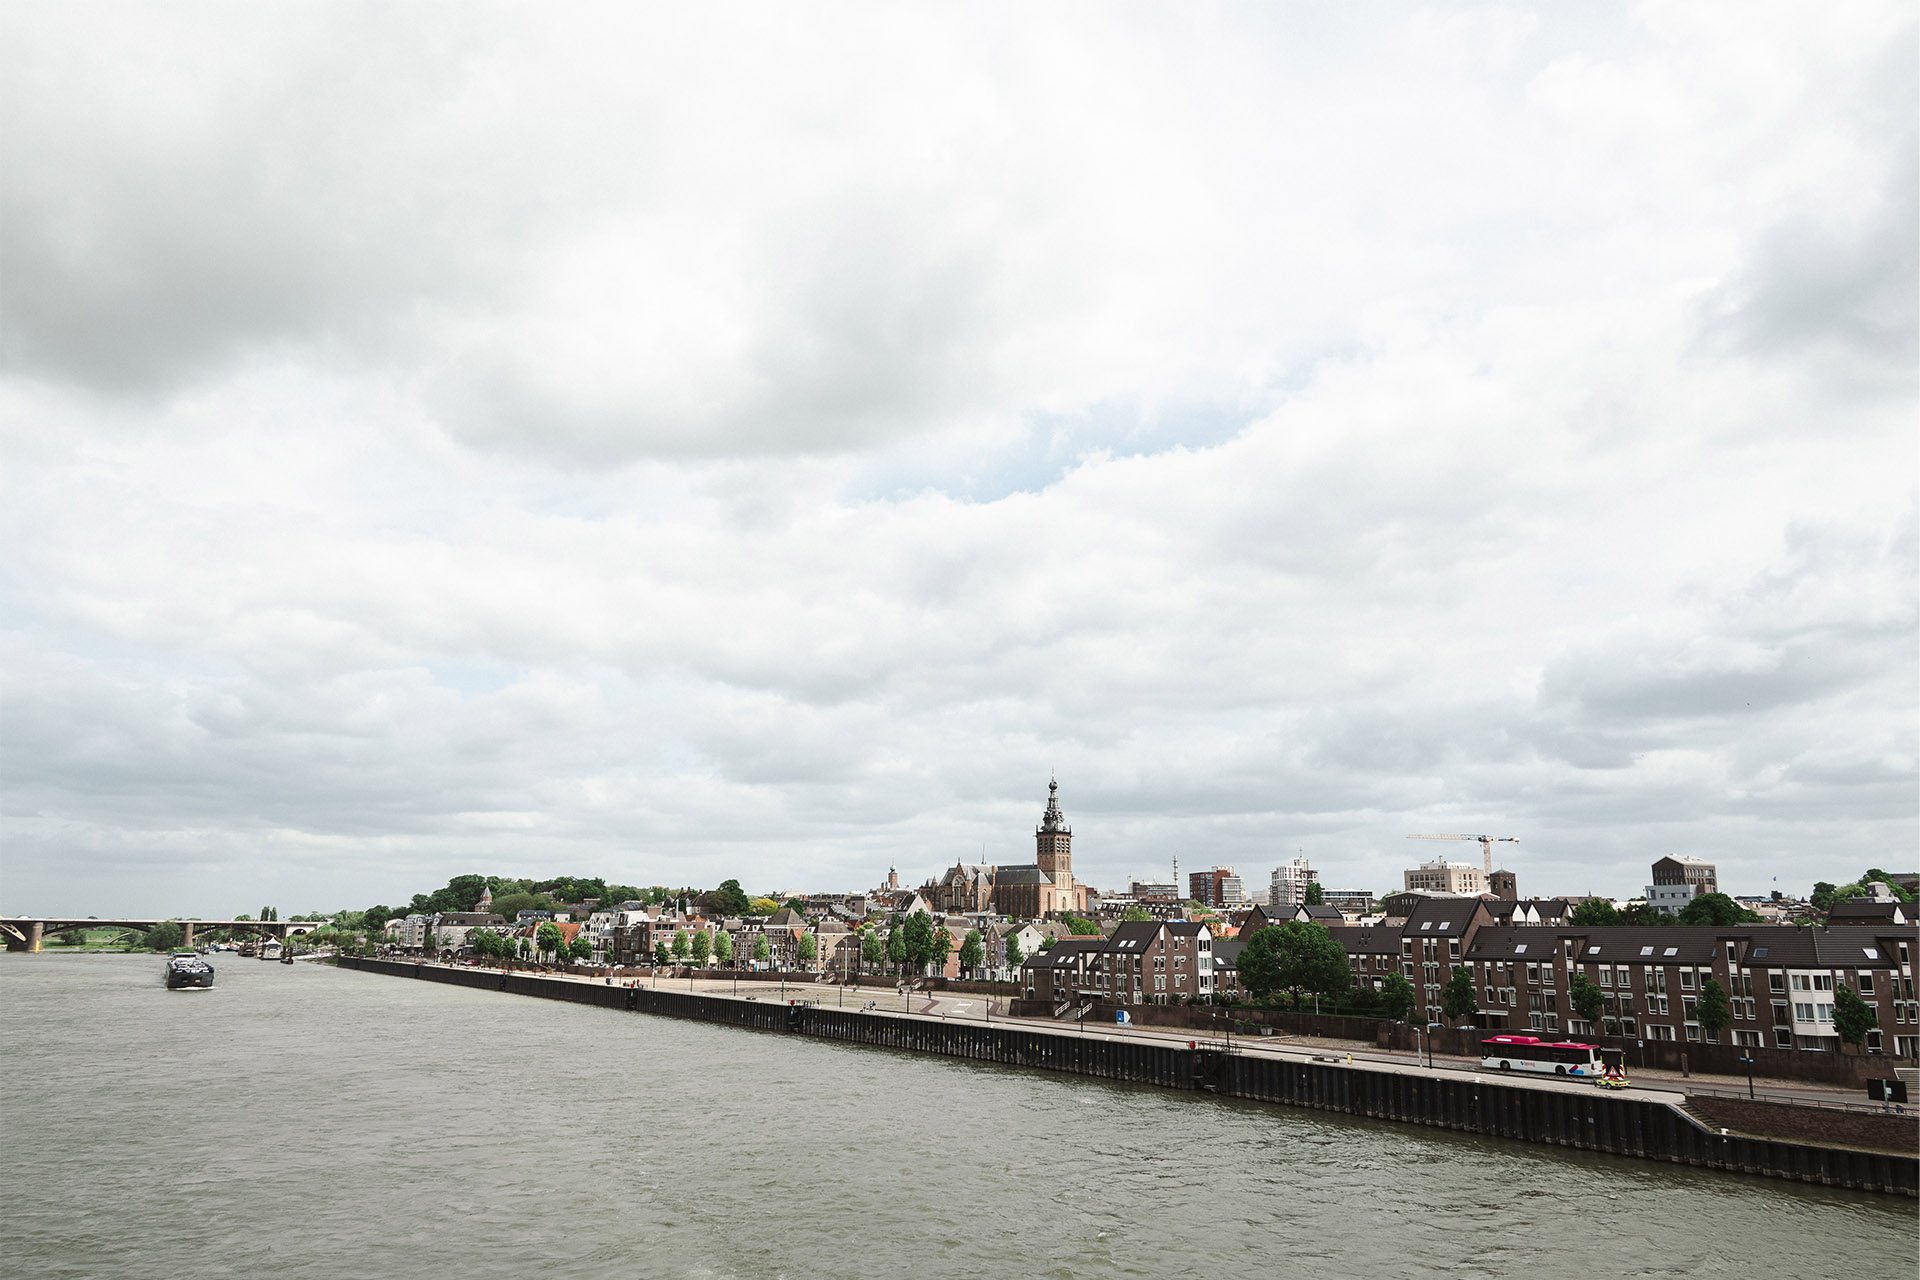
<point>301,1121</point>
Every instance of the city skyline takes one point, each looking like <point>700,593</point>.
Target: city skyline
<point>767,444</point>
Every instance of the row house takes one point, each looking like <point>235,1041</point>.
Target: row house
<point>1141,962</point>
<point>1434,938</point>
<point>1373,952</point>
<point>1780,982</point>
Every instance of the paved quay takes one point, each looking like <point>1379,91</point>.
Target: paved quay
<point>937,1007</point>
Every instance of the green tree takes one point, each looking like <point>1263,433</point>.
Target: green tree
<point>1713,1012</point>
<point>1852,1016</point>
<point>1135,915</point>
<point>1015,958</point>
<point>723,948</point>
<point>973,952</point>
<point>523,945</point>
<point>1298,957</point>
<point>1643,914</point>
<point>702,947</point>
<point>1080,928</point>
<point>939,946</point>
<point>762,907</point>
<point>1872,874</point>
<point>918,931</point>
<point>512,903</point>
<point>375,918</point>
<point>682,944</point>
<point>1588,999</point>
<point>761,951</point>
<point>729,899</point>
<point>897,947</point>
<point>580,948</point>
<point>1593,912</point>
<point>1316,896</point>
<point>796,904</point>
<point>872,952</point>
<point>1459,1001</point>
<point>548,938</point>
<point>1396,996</point>
<point>1822,899</point>
<point>165,936</point>
<point>1716,909</point>
<point>807,949</point>
<point>662,954</point>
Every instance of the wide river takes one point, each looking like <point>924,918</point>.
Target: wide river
<point>300,1121</point>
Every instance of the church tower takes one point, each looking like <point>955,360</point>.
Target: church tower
<point>1053,840</point>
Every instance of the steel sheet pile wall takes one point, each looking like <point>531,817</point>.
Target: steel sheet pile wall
<point>1589,1122</point>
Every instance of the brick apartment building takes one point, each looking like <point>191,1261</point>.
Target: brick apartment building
<point>1141,962</point>
<point>1779,981</point>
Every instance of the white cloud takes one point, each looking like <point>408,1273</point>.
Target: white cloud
<point>680,446</point>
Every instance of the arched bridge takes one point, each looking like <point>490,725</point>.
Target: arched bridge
<point>25,933</point>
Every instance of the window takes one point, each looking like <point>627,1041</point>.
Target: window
<point>1686,979</point>
<point>1866,984</point>
<point>1646,951</point>
<point>1520,950</point>
<point>1823,982</point>
<point>1872,953</point>
<point>1759,953</point>
<point>1802,1011</point>
<point>1659,1031</point>
<point>1453,948</point>
<point>1776,982</point>
<point>1606,975</point>
<point>1671,951</point>
<point>1782,1038</point>
<point>1533,973</point>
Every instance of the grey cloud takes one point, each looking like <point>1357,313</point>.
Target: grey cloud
<point>1841,290</point>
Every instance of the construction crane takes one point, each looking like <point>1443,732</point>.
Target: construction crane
<point>1486,844</point>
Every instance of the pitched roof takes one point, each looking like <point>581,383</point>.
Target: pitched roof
<point>1226,953</point>
<point>1022,875</point>
<point>1135,935</point>
<point>1365,939</point>
<point>1865,911</point>
<point>1441,917</point>
<point>1319,911</point>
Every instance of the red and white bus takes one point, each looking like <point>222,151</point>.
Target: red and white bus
<point>1530,1053</point>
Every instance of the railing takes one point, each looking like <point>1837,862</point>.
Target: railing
<point>1799,1100</point>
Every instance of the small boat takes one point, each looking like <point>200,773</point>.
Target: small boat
<point>186,970</point>
<point>271,951</point>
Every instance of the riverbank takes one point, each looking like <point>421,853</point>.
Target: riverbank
<point>1563,1114</point>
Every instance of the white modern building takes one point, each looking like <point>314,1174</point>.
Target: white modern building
<point>1288,888</point>
<point>1441,876</point>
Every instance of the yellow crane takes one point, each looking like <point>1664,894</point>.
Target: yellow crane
<point>1486,844</point>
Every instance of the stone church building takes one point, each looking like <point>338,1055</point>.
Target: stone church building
<point>1043,888</point>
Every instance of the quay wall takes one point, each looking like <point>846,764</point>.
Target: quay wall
<point>1589,1122</point>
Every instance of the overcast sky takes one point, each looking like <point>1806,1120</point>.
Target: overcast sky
<point>688,441</point>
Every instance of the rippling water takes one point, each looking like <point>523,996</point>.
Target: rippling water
<point>299,1121</point>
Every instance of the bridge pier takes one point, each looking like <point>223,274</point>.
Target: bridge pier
<point>35,932</point>
<point>188,926</point>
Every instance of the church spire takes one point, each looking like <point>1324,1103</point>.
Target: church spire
<point>1053,819</point>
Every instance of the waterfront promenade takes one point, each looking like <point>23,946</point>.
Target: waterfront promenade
<point>1666,1086</point>
<point>1648,1121</point>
